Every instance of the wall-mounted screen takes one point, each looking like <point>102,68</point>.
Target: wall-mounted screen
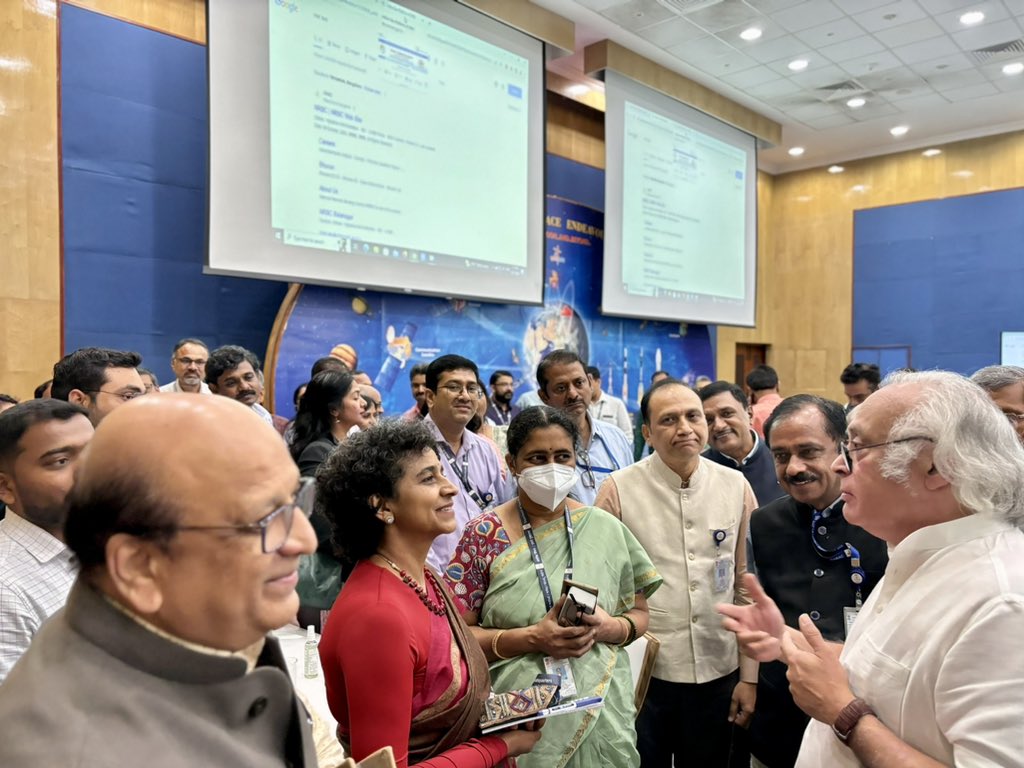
<point>1011,348</point>
<point>376,144</point>
<point>680,210</point>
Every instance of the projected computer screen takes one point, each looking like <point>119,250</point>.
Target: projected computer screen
<point>378,144</point>
<point>681,211</point>
<point>1011,348</point>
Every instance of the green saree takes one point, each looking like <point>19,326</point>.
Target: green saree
<point>607,556</point>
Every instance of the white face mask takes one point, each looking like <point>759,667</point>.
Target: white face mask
<point>549,484</point>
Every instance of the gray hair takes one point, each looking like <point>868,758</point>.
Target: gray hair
<point>994,377</point>
<point>975,448</point>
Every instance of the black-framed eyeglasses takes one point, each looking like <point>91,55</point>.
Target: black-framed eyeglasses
<point>847,452</point>
<point>455,390</point>
<point>125,395</point>
<point>274,528</point>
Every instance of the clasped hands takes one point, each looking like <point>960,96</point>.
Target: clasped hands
<point>560,642</point>
<point>817,680</point>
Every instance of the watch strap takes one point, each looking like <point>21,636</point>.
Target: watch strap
<point>849,717</point>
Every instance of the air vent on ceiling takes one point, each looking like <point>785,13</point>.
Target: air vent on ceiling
<point>844,87</point>
<point>683,7</point>
<point>1012,48</point>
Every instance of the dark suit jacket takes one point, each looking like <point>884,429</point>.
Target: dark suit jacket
<point>788,568</point>
<point>97,689</point>
<point>759,470</point>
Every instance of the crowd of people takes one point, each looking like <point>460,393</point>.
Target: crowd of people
<point>828,585</point>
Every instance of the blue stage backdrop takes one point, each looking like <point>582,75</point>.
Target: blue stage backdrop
<point>385,334</point>
<point>134,145</point>
<point>934,283</point>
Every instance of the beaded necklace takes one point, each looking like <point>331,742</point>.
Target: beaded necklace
<point>411,583</point>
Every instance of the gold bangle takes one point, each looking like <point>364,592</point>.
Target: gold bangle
<point>494,645</point>
<point>631,633</point>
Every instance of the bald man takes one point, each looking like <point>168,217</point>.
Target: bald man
<point>189,547</point>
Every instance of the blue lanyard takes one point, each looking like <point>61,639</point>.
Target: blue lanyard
<point>481,501</point>
<point>847,550</point>
<point>583,457</point>
<point>538,562</point>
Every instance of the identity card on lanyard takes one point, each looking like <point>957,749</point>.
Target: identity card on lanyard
<point>553,666</point>
<point>723,569</point>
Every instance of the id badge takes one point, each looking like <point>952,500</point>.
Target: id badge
<point>723,573</point>
<point>563,669</point>
<point>849,616</point>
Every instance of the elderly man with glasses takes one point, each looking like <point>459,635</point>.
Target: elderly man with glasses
<point>1005,385</point>
<point>453,393</point>
<point>188,361</point>
<point>189,551</point>
<point>931,673</point>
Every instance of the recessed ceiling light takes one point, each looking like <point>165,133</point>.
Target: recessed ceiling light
<point>577,89</point>
<point>751,33</point>
<point>856,101</point>
<point>798,65</point>
<point>1013,68</point>
<point>899,130</point>
<point>796,151</point>
<point>836,169</point>
<point>932,152</point>
<point>971,18</point>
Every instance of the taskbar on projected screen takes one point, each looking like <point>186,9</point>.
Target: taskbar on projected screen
<point>656,292</point>
<point>387,251</point>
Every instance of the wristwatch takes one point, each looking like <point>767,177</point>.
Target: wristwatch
<point>849,717</point>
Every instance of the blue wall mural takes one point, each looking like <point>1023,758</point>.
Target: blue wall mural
<point>385,334</point>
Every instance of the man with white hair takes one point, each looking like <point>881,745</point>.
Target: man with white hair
<point>931,673</point>
<point>1005,385</point>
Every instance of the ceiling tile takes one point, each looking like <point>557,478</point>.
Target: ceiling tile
<point>945,81</point>
<point>773,89</point>
<point>637,14</point>
<point>986,35</point>
<point>957,95</point>
<point>807,15</point>
<point>787,47</point>
<point>1010,84</point>
<point>749,78</point>
<point>833,32</point>
<point>819,77</point>
<point>726,14</point>
<point>771,6</point>
<point>856,48</point>
<point>853,7</point>
<point>926,50</point>
<point>891,15</point>
<point>829,121</point>
<point>954,63</point>
<point>598,5</point>
<point>707,47</point>
<point>942,6</point>
<point>813,110</point>
<point>915,31</point>
<point>671,32</point>
<point>769,31</point>
<point>723,65</point>
<point>873,110</point>
<point>870,64</point>
<point>915,104</point>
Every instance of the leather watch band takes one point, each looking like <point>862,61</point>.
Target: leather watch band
<point>849,717</point>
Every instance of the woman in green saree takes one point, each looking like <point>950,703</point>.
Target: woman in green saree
<point>509,592</point>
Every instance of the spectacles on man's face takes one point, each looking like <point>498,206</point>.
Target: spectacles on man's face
<point>124,395</point>
<point>196,361</point>
<point>275,528</point>
<point>455,390</point>
<point>1014,418</point>
<point>847,452</point>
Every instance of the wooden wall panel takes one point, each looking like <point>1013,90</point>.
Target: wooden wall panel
<point>575,131</point>
<point>183,18</point>
<point>29,199</point>
<point>805,299</point>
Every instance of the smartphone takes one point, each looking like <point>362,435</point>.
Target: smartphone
<point>580,600</point>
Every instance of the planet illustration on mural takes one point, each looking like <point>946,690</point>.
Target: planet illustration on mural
<point>346,354</point>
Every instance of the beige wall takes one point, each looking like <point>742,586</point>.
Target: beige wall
<point>805,224</point>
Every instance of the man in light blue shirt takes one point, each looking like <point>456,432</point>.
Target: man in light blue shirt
<point>563,383</point>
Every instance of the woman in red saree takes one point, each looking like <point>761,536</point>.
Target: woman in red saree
<point>401,667</point>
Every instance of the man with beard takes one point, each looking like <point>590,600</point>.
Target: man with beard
<point>40,442</point>
<point>188,361</point>
<point>809,559</point>
<point>501,410</point>
<point>234,372</point>
<point>734,443</point>
<point>603,448</point>
<point>98,379</point>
